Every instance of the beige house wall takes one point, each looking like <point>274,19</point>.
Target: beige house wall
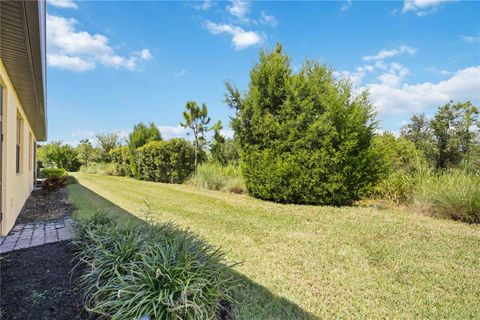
<point>16,187</point>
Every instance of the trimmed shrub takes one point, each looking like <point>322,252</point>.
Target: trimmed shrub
<point>217,177</point>
<point>306,137</point>
<point>452,194</point>
<point>171,161</point>
<point>52,173</point>
<point>121,157</point>
<point>154,271</point>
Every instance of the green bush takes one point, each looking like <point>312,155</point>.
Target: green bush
<point>59,155</point>
<point>121,157</point>
<point>52,172</point>
<point>452,194</point>
<point>217,177</point>
<point>306,137</point>
<point>108,169</point>
<point>155,271</point>
<point>171,161</point>
<point>403,166</point>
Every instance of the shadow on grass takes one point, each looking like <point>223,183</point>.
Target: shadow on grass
<point>254,301</point>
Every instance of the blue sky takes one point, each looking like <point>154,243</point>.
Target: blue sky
<point>112,64</point>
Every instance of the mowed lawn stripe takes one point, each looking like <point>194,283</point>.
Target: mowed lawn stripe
<point>307,261</point>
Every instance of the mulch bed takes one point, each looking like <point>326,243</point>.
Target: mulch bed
<point>37,284</point>
<point>46,206</point>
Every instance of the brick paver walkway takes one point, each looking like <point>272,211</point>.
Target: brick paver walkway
<point>36,233</point>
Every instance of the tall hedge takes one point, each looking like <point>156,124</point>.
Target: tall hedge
<point>304,137</point>
<point>121,158</point>
<point>170,161</point>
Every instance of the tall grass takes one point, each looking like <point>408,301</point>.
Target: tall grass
<point>99,168</point>
<point>217,177</point>
<point>453,194</point>
<point>154,271</point>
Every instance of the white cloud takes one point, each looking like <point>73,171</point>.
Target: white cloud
<point>145,54</point>
<point>67,4</point>
<point>239,9</point>
<point>393,98</point>
<point>241,38</point>
<point>71,63</point>
<point>384,54</point>
<point>80,51</point>
<point>346,5</point>
<point>268,20</point>
<point>423,7</point>
<point>205,5</point>
<point>169,132</point>
<point>470,38</point>
<point>180,73</point>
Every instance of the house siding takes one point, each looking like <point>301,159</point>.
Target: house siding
<point>16,187</point>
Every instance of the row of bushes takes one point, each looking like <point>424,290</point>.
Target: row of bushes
<point>171,161</point>
<point>150,271</point>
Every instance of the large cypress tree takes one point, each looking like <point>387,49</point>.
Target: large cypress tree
<point>304,137</point>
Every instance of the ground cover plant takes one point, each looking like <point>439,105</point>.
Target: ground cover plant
<point>150,270</point>
<point>312,262</point>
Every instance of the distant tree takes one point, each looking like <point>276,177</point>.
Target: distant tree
<point>142,134</point>
<point>232,152</point>
<point>106,143</point>
<point>419,132</point>
<point>217,148</point>
<point>58,155</point>
<point>454,128</point>
<point>86,152</point>
<point>196,119</point>
<point>304,137</point>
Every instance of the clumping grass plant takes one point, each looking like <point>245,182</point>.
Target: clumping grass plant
<point>217,177</point>
<point>452,194</point>
<point>150,271</point>
<point>99,168</point>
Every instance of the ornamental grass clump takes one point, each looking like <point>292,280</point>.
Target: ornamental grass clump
<point>156,271</point>
<point>453,194</point>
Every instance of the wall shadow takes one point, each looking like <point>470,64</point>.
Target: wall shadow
<point>254,301</point>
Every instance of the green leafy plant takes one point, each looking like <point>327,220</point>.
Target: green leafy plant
<point>171,161</point>
<point>306,137</point>
<point>59,155</point>
<point>122,158</point>
<point>156,271</point>
<point>52,172</point>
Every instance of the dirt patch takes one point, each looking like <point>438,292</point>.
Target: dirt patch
<point>37,284</point>
<point>46,206</point>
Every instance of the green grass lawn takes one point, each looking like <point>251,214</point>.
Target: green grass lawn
<point>307,262</point>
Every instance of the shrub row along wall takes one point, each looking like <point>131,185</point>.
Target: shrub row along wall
<point>161,161</point>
